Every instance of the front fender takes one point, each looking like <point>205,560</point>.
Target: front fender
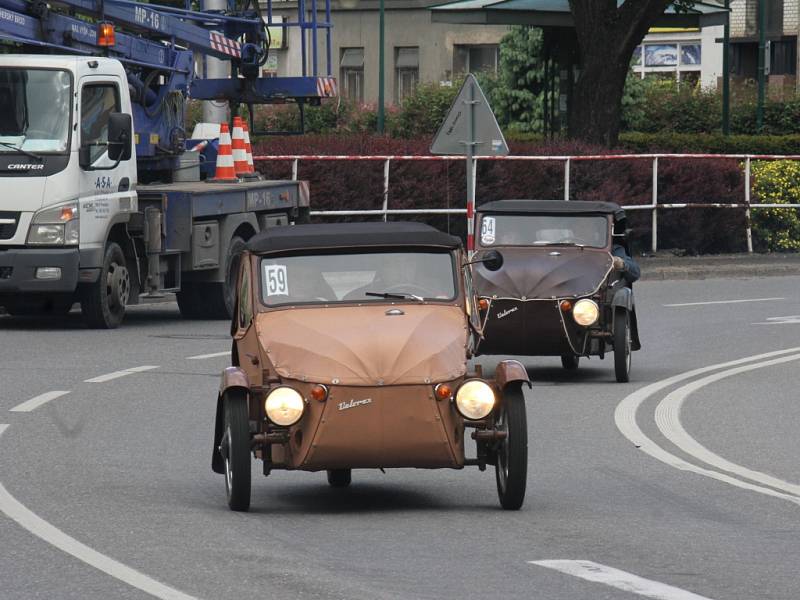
<point>233,378</point>
<point>623,298</point>
<point>510,371</point>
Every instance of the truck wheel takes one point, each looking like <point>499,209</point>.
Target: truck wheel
<point>235,450</point>
<point>339,478</point>
<point>213,300</point>
<point>511,464</point>
<point>622,346</point>
<point>103,302</point>
<point>570,362</point>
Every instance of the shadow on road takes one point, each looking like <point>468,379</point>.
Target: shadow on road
<point>135,316</point>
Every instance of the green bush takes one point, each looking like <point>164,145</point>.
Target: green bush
<point>776,182</point>
<point>423,111</point>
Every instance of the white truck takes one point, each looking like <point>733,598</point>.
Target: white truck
<point>75,226</point>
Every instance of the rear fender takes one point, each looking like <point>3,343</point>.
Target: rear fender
<point>234,379</point>
<point>509,372</point>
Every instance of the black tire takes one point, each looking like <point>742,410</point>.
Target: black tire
<point>340,478</point>
<point>622,346</point>
<point>570,361</point>
<point>213,300</point>
<point>511,461</point>
<point>235,449</point>
<point>103,302</point>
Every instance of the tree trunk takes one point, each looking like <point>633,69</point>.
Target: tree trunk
<point>607,36</point>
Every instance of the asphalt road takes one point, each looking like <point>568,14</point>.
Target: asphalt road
<point>693,483</point>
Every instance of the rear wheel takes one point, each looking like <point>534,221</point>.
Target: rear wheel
<point>570,361</point>
<point>622,346</point>
<point>213,300</point>
<point>103,302</point>
<point>511,464</point>
<point>235,450</point>
<point>339,478</point>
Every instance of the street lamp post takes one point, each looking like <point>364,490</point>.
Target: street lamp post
<point>381,82</point>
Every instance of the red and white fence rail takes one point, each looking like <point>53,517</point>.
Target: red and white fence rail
<point>654,206</point>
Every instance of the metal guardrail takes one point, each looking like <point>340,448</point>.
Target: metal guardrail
<point>654,206</point>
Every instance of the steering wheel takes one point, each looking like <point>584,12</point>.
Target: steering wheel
<point>410,289</point>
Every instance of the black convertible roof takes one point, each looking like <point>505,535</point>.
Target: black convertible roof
<point>552,206</point>
<point>350,235</point>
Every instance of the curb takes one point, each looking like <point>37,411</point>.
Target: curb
<point>730,266</point>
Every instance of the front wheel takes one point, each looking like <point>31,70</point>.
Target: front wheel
<point>511,464</point>
<point>103,302</point>
<point>339,478</point>
<point>622,346</point>
<point>235,450</point>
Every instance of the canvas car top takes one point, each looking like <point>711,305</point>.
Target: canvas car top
<point>351,235</point>
<point>552,206</point>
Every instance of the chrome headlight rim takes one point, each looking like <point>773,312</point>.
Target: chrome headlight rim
<point>270,411</point>
<point>593,314</point>
<point>459,399</point>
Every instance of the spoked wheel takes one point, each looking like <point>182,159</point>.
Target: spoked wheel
<point>339,478</point>
<point>103,302</point>
<point>511,464</point>
<point>235,450</point>
<point>622,346</point>
<point>570,361</point>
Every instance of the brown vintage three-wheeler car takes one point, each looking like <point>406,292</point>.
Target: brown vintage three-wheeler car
<point>558,292</point>
<point>350,350</point>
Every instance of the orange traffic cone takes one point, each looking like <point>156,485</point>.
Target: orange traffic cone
<point>239,150</point>
<point>225,172</point>
<point>250,166</point>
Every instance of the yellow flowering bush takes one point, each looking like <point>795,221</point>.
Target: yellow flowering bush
<point>776,182</point>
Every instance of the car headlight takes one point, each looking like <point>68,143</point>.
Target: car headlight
<point>56,226</point>
<point>284,406</point>
<point>475,399</point>
<point>585,312</point>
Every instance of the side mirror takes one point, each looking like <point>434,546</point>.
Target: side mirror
<point>492,260</point>
<point>120,132</point>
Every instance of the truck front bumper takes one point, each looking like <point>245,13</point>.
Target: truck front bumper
<point>19,268</point>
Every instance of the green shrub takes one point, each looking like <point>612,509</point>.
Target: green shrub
<point>423,111</point>
<point>776,182</point>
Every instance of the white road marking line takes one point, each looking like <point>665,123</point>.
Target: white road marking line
<point>790,320</point>
<point>118,374</point>
<point>625,419</point>
<point>36,402</point>
<point>55,537</point>
<point>722,302</point>
<point>668,420</point>
<point>204,356</point>
<point>3,427</point>
<point>622,580</point>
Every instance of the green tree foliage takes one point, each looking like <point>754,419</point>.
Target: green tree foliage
<point>516,93</point>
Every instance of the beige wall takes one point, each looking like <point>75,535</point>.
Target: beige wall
<point>403,28</point>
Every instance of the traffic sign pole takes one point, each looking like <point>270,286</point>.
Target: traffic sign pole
<point>470,143</point>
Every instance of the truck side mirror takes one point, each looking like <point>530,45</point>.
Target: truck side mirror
<point>120,132</point>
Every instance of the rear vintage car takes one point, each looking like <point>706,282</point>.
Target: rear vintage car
<point>557,292</point>
<point>350,350</point>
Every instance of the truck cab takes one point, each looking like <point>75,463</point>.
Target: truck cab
<point>62,192</point>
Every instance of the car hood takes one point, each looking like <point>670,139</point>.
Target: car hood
<point>549,272</point>
<point>366,345</point>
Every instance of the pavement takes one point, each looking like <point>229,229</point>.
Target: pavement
<point>106,489</point>
<point>665,265</point>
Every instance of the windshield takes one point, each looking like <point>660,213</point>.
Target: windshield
<point>543,230</point>
<point>35,110</point>
<point>361,277</point>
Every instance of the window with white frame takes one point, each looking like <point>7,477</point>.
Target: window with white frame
<point>476,58</point>
<point>406,68</point>
<point>669,60</point>
<point>351,68</point>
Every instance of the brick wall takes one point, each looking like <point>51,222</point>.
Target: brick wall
<point>790,16</point>
<point>738,18</point>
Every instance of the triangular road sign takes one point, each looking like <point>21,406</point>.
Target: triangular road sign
<point>470,123</point>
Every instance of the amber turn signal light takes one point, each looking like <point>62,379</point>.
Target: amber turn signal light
<point>483,304</point>
<point>566,306</point>
<point>319,393</point>
<point>105,34</point>
<point>443,391</point>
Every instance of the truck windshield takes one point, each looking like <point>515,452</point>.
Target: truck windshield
<point>34,110</point>
<point>544,230</point>
<point>362,277</point>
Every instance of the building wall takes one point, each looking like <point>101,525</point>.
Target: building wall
<point>403,28</point>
